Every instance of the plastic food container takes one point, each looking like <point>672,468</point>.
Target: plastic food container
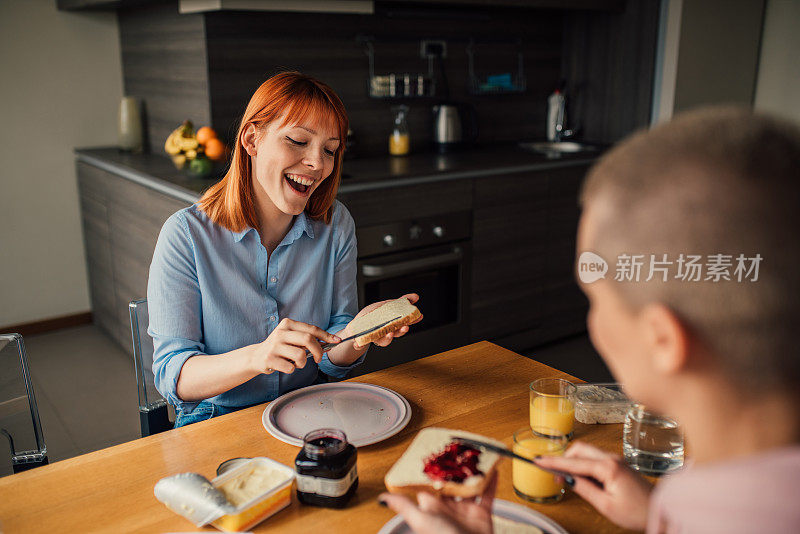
<point>601,403</point>
<point>275,495</point>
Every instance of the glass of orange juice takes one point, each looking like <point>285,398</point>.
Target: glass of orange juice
<point>530,482</point>
<point>553,405</point>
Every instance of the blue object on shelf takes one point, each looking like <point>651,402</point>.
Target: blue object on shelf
<point>500,80</point>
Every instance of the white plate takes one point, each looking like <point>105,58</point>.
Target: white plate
<point>509,510</point>
<point>366,413</point>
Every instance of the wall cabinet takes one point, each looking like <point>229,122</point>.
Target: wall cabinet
<point>594,5</point>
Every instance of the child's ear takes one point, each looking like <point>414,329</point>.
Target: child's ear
<point>667,338</point>
<point>248,139</point>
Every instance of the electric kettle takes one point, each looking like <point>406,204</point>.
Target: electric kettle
<point>448,130</point>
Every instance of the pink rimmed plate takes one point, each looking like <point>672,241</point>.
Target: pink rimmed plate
<point>366,413</point>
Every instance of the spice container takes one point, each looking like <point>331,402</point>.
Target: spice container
<point>258,488</point>
<point>404,85</point>
<point>326,469</point>
<point>601,403</point>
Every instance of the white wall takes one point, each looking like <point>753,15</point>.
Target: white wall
<point>778,83</point>
<point>727,63</point>
<point>708,54</point>
<point>60,87</point>
<point>718,54</point>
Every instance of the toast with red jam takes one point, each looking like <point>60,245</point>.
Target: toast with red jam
<point>436,462</point>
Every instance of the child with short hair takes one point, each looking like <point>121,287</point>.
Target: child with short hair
<point>715,348</point>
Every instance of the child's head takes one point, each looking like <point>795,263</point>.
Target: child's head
<point>718,181</point>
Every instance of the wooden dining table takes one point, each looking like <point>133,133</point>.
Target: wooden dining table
<point>480,388</point>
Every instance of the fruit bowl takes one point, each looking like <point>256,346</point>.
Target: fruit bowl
<point>200,154</point>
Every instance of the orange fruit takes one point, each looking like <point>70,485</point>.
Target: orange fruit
<point>205,134</point>
<point>215,149</point>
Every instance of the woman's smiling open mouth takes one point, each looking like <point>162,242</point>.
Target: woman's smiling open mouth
<point>299,182</point>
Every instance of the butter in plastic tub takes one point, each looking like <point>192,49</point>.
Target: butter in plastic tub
<point>600,403</point>
<point>258,488</point>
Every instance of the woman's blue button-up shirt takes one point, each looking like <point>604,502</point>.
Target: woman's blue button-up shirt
<point>212,291</point>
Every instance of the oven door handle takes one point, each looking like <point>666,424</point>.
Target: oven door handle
<point>405,267</point>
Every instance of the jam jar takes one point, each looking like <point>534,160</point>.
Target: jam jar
<point>326,469</point>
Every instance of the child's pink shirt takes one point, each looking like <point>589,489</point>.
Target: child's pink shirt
<point>754,494</point>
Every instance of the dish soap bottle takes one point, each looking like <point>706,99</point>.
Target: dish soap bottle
<point>555,115</point>
<point>399,143</point>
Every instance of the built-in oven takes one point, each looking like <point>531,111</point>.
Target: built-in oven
<point>429,256</point>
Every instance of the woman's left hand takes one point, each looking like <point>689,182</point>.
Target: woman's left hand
<point>435,515</point>
<point>385,340</point>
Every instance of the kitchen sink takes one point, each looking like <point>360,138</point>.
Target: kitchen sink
<point>558,147</point>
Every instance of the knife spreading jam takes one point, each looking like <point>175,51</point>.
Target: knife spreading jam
<point>455,463</point>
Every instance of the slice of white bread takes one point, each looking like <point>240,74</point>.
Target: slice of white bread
<point>402,308</point>
<point>408,477</point>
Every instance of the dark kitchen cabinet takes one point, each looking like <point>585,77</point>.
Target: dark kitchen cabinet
<point>509,233</point>
<point>565,304</point>
<point>97,248</point>
<point>523,291</point>
<point>121,223</point>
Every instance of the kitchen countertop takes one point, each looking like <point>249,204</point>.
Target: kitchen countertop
<point>157,172</point>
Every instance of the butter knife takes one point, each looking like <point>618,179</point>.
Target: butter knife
<point>568,477</point>
<point>328,346</point>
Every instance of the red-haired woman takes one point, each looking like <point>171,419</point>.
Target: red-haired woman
<point>263,266</point>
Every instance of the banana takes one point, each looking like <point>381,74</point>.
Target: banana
<point>181,139</point>
<point>188,143</point>
<point>172,145</point>
<point>182,145</point>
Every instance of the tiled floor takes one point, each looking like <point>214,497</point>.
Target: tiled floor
<point>86,390</point>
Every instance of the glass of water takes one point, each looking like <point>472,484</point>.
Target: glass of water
<point>651,443</point>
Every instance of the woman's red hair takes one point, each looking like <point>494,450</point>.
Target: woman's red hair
<point>298,99</point>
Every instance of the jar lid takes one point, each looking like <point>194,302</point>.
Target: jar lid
<point>229,464</point>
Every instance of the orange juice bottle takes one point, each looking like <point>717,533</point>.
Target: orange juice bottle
<point>399,141</point>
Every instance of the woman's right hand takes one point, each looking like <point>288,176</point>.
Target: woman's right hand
<point>625,495</point>
<point>285,348</point>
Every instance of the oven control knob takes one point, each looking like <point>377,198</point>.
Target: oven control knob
<point>388,240</point>
<point>415,232</point>
<point>438,231</point>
